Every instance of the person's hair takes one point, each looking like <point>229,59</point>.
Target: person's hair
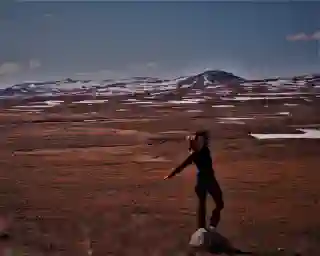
<point>200,133</point>
<point>205,135</point>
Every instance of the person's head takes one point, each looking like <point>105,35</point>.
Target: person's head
<point>198,140</point>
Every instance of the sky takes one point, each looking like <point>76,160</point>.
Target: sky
<point>87,39</point>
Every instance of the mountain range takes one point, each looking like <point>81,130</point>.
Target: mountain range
<point>110,87</point>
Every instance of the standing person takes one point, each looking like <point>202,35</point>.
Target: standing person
<point>206,181</point>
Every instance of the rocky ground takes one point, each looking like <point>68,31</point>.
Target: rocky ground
<point>80,177</point>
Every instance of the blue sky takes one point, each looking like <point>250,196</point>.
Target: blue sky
<point>41,40</point>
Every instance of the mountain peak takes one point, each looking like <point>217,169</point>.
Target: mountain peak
<point>210,77</point>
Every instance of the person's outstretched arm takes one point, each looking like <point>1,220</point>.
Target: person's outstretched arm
<point>181,167</point>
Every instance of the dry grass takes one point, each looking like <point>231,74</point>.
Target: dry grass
<point>72,187</point>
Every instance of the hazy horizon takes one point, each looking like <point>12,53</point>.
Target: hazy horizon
<point>101,40</point>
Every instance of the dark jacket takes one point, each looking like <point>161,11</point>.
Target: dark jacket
<point>202,159</point>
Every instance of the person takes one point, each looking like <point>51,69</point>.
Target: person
<point>206,181</point>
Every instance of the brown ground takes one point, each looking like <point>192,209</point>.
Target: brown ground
<point>66,182</point>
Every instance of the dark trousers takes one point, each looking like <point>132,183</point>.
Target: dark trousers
<point>204,186</point>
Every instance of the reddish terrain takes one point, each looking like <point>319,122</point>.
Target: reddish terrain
<point>79,176</point>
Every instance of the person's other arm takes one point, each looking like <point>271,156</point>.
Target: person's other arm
<point>181,167</point>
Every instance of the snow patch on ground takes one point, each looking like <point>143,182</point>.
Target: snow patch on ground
<point>235,118</point>
<point>223,106</point>
<point>290,104</point>
<point>186,101</point>
<point>244,98</point>
<point>90,101</point>
<point>306,134</point>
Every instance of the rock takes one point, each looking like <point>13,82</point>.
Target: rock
<point>212,242</point>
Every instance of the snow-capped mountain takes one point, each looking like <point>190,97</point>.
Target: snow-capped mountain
<point>115,87</point>
<point>108,87</point>
<point>210,77</point>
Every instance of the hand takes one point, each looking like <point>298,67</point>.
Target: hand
<point>168,176</point>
